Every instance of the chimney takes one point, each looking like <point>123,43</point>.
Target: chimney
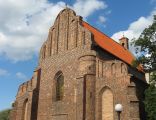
<point>124,42</point>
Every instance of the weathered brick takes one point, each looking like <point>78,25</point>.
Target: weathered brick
<point>94,80</point>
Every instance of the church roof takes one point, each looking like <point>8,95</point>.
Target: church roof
<point>110,45</point>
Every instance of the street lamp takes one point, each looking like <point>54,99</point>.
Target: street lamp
<point>118,109</point>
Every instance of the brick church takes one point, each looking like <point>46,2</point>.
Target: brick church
<point>81,75</point>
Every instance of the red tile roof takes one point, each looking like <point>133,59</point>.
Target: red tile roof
<point>110,45</point>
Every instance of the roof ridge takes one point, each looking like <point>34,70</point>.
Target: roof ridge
<point>105,41</point>
<point>102,33</point>
<point>109,37</point>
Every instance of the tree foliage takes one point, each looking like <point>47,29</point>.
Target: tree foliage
<point>150,102</point>
<point>4,114</point>
<point>146,50</point>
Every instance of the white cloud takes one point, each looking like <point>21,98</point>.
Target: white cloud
<point>87,7</point>
<point>135,28</point>
<point>24,24</point>
<point>3,72</point>
<point>108,12</point>
<point>102,19</point>
<point>153,1</point>
<point>21,76</point>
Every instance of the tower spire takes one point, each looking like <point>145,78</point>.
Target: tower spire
<point>66,6</point>
<point>123,34</point>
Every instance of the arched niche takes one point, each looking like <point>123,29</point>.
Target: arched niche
<point>123,68</point>
<point>25,110</point>
<point>107,104</point>
<point>113,68</point>
<point>44,52</point>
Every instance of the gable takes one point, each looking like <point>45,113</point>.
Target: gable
<point>66,34</point>
<point>70,31</point>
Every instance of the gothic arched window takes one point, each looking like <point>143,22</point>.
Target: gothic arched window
<point>59,85</point>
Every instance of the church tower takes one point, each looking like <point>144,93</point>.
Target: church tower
<point>124,42</point>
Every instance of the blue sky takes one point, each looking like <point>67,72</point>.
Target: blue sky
<point>24,26</point>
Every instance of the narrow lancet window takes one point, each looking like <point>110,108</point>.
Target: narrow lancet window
<point>59,86</point>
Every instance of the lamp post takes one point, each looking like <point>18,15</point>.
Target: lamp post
<point>118,109</point>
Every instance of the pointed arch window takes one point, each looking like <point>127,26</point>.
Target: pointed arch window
<point>59,78</point>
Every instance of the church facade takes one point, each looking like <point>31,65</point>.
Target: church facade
<point>82,74</point>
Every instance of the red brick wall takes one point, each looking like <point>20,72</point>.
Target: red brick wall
<point>87,71</point>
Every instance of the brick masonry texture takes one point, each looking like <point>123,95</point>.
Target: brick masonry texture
<point>94,80</point>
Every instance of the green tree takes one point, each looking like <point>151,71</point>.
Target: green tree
<point>146,50</point>
<point>4,114</point>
